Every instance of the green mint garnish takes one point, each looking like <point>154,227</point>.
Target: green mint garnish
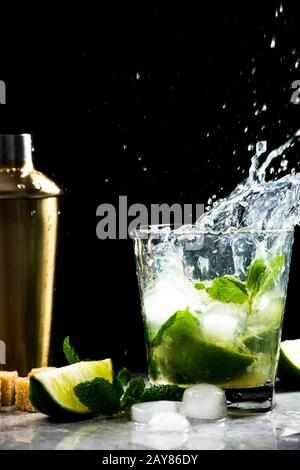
<point>273,273</point>
<point>255,277</point>
<point>199,286</point>
<point>162,392</point>
<point>70,353</point>
<point>133,392</point>
<point>240,284</point>
<point>226,290</point>
<point>121,379</point>
<point>261,278</point>
<point>99,396</point>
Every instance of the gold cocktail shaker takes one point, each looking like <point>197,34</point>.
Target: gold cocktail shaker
<point>28,235</point>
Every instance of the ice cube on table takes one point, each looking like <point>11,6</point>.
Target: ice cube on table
<point>204,401</point>
<point>143,412</point>
<point>168,421</point>
<point>167,295</point>
<point>158,440</point>
<point>222,323</point>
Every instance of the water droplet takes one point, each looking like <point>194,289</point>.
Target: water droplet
<point>224,106</point>
<point>276,13</point>
<point>139,159</point>
<point>124,146</point>
<point>284,164</point>
<point>250,147</point>
<point>264,107</point>
<point>58,212</point>
<point>208,134</point>
<point>273,42</point>
<point>280,8</point>
<point>145,168</point>
<point>253,71</point>
<point>272,170</point>
<point>21,186</point>
<point>256,112</point>
<point>32,212</point>
<point>137,75</point>
<point>246,129</point>
<point>297,63</point>
<point>106,180</point>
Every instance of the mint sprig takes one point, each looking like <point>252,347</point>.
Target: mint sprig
<point>121,379</point>
<point>260,279</point>
<point>226,290</point>
<point>70,353</point>
<point>99,396</point>
<point>255,278</point>
<point>103,398</point>
<point>133,392</point>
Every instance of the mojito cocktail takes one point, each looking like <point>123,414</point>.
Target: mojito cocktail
<point>213,307</point>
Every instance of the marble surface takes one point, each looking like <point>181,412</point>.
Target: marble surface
<point>278,429</point>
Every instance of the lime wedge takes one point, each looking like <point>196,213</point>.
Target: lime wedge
<point>198,361</point>
<point>289,362</point>
<point>183,357</point>
<point>52,391</point>
<point>263,340</point>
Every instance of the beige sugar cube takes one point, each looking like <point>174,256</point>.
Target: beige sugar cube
<point>22,395</point>
<point>8,381</point>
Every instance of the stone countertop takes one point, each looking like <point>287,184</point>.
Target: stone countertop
<point>278,429</point>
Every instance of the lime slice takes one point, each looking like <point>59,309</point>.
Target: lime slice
<point>263,340</point>
<point>289,362</point>
<point>52,391</point>
<point>183,357</point>
<point>198,361</point>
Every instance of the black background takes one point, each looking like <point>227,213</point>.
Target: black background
<point>129,100</point>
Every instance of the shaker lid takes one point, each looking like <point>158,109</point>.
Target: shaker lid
<point>15,149</point>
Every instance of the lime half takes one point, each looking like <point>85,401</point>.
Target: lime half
<point>52,391</point>
<point>289,362</point>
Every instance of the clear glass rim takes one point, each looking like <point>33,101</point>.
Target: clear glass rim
<point>155,230</point>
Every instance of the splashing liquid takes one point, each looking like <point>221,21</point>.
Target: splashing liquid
<point>257,203</point>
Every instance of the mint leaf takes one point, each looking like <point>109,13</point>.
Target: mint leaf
<point>255,277</point>
<point>70,353</point>
<point>261,278</point>
<point>240,284</point>
<point>123,376</point>
<point>99,395</point>
<point>157,339</point>
<point>162,392</point>
<point>199,286</point>
<point>275,269</point>
<point>133,392</point>
<point>226,290</point>
<point>121,379</point>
